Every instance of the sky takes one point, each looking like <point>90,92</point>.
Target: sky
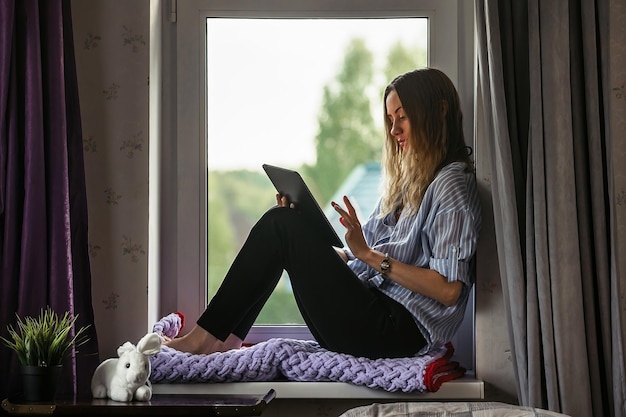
<point>266,77</point>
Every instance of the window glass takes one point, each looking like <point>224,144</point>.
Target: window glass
<point>305,94</point>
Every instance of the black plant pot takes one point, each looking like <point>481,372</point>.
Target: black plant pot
<point>40,382</point>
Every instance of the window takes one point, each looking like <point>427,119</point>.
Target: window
<point>189,176</point>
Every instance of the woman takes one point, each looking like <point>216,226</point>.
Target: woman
<point>401,286</point>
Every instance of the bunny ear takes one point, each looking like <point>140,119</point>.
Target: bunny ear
<point>149,344</point>
<point>126,347</point>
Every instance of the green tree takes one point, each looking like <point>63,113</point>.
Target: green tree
<point>347,135</point>
<point>220,234</point>
<point>401,59</point>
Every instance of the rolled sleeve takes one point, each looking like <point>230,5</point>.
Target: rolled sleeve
<point>453,268</point>
<point>454,242</point>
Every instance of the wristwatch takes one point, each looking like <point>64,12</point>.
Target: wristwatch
<point>385,265</point>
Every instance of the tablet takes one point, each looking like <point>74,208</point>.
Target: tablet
<point>290,184</point>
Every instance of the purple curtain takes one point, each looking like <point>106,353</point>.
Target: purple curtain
<point>44,257</point>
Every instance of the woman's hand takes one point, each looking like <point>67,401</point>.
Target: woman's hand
<point>422,280</point>
<point>283,201</point>
<point>354,234</point>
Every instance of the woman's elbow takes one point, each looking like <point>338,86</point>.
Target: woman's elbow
<point>451,296</point>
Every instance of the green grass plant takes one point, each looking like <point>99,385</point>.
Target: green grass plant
<point>44,340</point>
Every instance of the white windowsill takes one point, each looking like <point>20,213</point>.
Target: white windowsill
<point>465,388</point>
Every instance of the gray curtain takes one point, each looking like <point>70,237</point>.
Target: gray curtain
<point>541,106</point>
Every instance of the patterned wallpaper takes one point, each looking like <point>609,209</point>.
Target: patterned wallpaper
<point>112,53</point>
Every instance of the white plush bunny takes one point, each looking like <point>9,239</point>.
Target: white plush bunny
<point>126,378</point>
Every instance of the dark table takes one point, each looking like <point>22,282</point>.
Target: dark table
<point>160,404</point>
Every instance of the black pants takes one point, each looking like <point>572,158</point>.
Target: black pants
<point>342,314</point>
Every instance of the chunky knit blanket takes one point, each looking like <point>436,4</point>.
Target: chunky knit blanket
<point>300,360</point>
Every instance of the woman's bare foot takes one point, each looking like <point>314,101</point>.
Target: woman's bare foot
<point>199,341</point>
<point>231,342</point>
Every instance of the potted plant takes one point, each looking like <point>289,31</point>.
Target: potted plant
<point>41,344</point>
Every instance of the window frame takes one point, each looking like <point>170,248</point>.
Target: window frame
<point>182,243</point>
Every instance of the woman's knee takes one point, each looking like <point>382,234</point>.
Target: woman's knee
<point>281,217</point>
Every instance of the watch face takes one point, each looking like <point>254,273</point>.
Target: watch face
<point>384,265</point>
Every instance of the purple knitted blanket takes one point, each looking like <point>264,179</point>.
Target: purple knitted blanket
<point>294,360</point>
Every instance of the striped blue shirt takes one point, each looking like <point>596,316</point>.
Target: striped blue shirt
<point>441,236</point>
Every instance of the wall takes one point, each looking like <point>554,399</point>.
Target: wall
<point>112,53</point>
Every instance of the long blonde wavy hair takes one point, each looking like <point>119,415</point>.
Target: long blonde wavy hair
<point>432,105</point>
